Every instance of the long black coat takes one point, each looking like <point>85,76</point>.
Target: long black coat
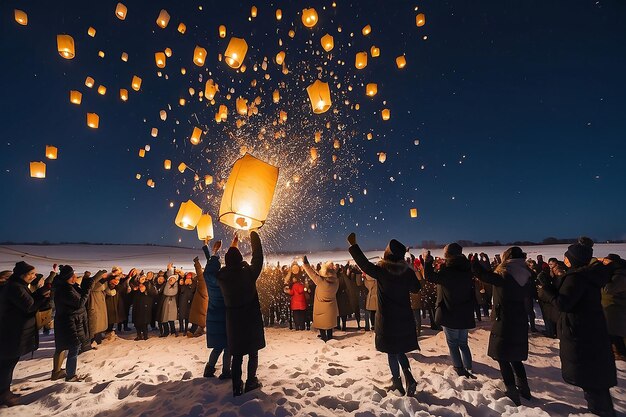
<point>343,296</point>
<point>455,292</point>
<point>18,327</point>
<point>185,297</point>
<point>69,318</point>
<point>111,298</point>
<point>244,323</point>
<point>394,324</point>
<point>586,357</point>
<point>143,303</point>
<point>157,308</point>
<point>614,300</point>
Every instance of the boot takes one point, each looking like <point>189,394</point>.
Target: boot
<point>460,371</point>
<point>252,384</point>
<point>8,399</point>
<point>209,371</point>
<point>237,388</point>
<point>513,394</point>
<point>58,374</point>
<point>411,383</point>
<point>396,385</point>
<point>226,374</point>
<point>74,378</point>
<point>523,388</point>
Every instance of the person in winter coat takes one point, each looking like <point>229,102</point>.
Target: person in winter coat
<point>343,298</point>
<point>244,323</point>
<point>157,306</point>
<point>125,299</point>
<point>70,300</point>
<point>455,304</point>
<point>508,341</point>
<point>371,302</point>
<point>97,310</point>
<point>295,288</point>
<point>18,325</point>
<point>549,314</point>
<point>111,298</point>
<point>614,305</point>
<point>200,303</point>
<point>325,309</point>
<point>353,294</point>
<point>186,290</point>
<point>395,326</point>
<point>586,356</point>
<point>169,309</point>
<point>143,292</point>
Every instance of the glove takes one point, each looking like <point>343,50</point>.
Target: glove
<point>352,239</point>
<point>305,260</point>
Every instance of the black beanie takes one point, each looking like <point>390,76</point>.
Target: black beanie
<point>515,252</point>
<point>395,251</point>
<point>580,253</point>
<point>66,272</point>
<point>451,250</point>
<point>22,268</point>
<point>233,257</point>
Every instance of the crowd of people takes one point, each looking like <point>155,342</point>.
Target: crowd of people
<point>582,300</point>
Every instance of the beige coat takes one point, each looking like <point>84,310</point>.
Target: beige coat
<point>200,302</point>
<point>325,309</point>
<point>97,309</point>
<point>371,303</point>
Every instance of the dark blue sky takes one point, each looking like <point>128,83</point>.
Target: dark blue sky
<point>530,96</point>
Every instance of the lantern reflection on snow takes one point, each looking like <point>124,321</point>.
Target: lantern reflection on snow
<point>235,52</point>
<point>120,11</point>
<point>248,193</point>
<point>199,55</point>
<point>76,97</point>
<point>205,227</point>
<point>51,152</point>
<point>188,215</point>
<point>309,17</point>
<point>65,46</point>
<point>360,60</point>
<point>38,169</point>
<point>328,42</point>
<point>319,95</point>
<point>163,19</point>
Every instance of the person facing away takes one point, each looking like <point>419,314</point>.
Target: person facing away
<point>244,323</point>
<point>394,323</point>
<point>325,308</point>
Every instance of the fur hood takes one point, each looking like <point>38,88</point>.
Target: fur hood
<point>517,268</point>
<point>394,267</point>
<point>328,271</point>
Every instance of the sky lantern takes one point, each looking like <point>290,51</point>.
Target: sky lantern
<point>318,137</point>
<point>120,11</point>
<point>382,157</point>
<point>93,120</point>
<point>375,51</point>
<point>159,59</point>
<point>76,97</point>
<point>385,114</point>
<point>51,152</point>
<point>199,55</point>
<point>370,136</point>
<point>188,215</point>
<point>222,31</point>
<point>248,193</point>
<point>371,89</point>
<point>280,57</point>
<point>136,83</point>
<point>101,54</point>
<point>167,164</point>
<point>182,28</point>
<point>195,136</point>
<point>276,96</point>
<point>253,11</point>
<point>91,31</point>
<point>20,17</point>
<point>150,183</point>
<point>242,107</point>
<point>182,167</point>
<point>336,144</point>
<point>38,169</point>
<point>208,180</point>
<point>279,14</point>
<point>163,115</point>
<point>360,60</point>
<point>292,33</point>
<point>102,90</point>
<point>401,61</point>
<point>313,152</point>
<point>142,152</point>
<point>342,202</point>
<point>124,57</point>
<point>413,212</point>
<point>205,227</point>
<point>124,94</point>
<point>65,46</point>
<point>367,29</point>
<point>420,20</point>
<point>223,112</point>
<point>283,116</point>
<point>328,42</point>
<point>168,52</point>
<point>235,52</point>
<point>163,19</point>
<point>309,17</point>
<point>154,132</point>
<point>319,95</point>
<point>210,89</point>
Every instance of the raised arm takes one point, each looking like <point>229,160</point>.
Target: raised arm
<point>486,276</point>
<point>256,264</point>
<point>312,273</point>
<point>364,264</point>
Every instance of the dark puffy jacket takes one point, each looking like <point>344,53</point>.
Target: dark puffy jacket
<point>185,297</point>
<point>614,300</point>
<point>143,302</point>
<point>455,292</point>
<point>343,297</point>
<point>70,328</point>
<point>216,312</point>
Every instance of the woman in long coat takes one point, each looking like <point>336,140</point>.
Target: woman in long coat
<point>325,309</point>
<point>395,326</point>
<point>343,298</point>
<point>97,310</point>
<point>18,325</point>
<point>200,303</point>
<point>169,309</point>
<point>143,292</point>
<point>508,341</point>
<point>371,302</point>
<point>186,290</point>
<point>111,299</point>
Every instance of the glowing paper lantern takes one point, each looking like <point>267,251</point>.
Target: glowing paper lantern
<point>336,144</point>
<point>313,152</point>
<point>163,19</point>
<point>154,132</point>
<point>120,11</point>
<point>276,96</point>
<point>182,167</point>
<point>182,28</point>
<point>188,215</point>
<point>360,61</point>
<point>248,193</point>
<point>205,227</point>
<point>382,157</point>
<point>371,89</point>
<point>319,94</point>
<point>91,31</point>
<point>102,90</point>
<point>420,20</point>
<point>199,55</point>
<point>76,97</point>
<point>123,94</point>
<point>223,112</point>
<point>101,54</point>
<point>375,51</point>
<point>328,42</point>
<point>366,30</point>
<point>168,52</point>
<point>136,83</point>
<point>280,57</point>
<point>208,180</point>
<point>242,107</point>
<point>210,89</point>
<point>318,137</point>
<point>167,164</point>
<point>369,136</point>
<point>222,31</point>
<point>342,202</point>
<point>385,114</point>
<point>292,33</point>
<point>142,153</point>
<point>334,158</point>
<point>159,59</point>
<point>413,212</point>
<point>51,152</point>
<point>124,57</point>
<point>20,17</point>
<point>279,14</point>
<point>235,52</point>
<point>401,61</point>
<point>65,46</point>
<point>93,120</point>
<point>283,116</point>
<point>149,183</point>
<point>38,169</point>
<point>163,115</point>
<point>253,11</point>
<point>309,17</point>
<point>195,136</point>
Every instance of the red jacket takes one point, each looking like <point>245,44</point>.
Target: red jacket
<point>298,301</point>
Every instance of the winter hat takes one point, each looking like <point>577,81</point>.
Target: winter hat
<point>233,257</point>
<point>66,272</point>
<point>581,252</point>
<point>395,251</point>
<point>515,252</point>
<point>452,249</point>
<point>613,257</point>
<point>22,268</point>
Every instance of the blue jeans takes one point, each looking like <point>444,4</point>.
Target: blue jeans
<point>72,361</point>
<point>459,349</point>
<point>395,361</point>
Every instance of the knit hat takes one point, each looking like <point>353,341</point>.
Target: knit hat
<point>233,257</point>
<point>580,253</point>
<point>22,268</point>
<point>66,272</point>
<point>452,249</point>
<point>395,251</point>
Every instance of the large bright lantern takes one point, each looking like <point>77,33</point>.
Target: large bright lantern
<point>235,52</point>
<point>65,46</point>
<point>163,19</point>
<point>248,193</point>
<point>51,152</point>
<point>309,17</point>
<point>205,227</point>
<point>37,169</point>
<point>360,61</point>
<point>120,11</point>
<point>328,42</point>
<point>188,215</point>
<point>199,55</point>
<point>319,94</point>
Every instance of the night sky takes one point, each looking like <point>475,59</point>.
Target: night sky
<point>519,109</point>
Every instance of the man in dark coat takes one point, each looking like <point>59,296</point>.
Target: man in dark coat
<point>244,323</point>
<point>18,327</point>
<point>454,309</point>
<point>343,298</point>
<point>586,357</point>
<point>186,290</point>
<point>394,324</point>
